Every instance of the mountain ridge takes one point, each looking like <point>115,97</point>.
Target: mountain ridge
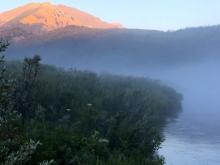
<point>47,17</point>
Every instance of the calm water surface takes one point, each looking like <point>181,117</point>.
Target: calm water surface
<point>194,137</point>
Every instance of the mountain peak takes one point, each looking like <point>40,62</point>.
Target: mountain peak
<point>46,16</point>
<point>39,3</point>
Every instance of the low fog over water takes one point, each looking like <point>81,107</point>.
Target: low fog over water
<point>181,59</point>
<point>194,138</point>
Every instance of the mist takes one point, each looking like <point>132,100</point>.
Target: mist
<point>76,89</point>
<point>193,137</point>
<point>186,60</point>
<point>195,134</point>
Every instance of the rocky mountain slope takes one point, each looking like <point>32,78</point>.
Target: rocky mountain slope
<point>36,18</point>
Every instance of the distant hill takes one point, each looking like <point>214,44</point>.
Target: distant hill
<point>104,47</point>
<point>38,17</point>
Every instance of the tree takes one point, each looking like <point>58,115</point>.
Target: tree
<point>23,95</point>
<point>12,151</point>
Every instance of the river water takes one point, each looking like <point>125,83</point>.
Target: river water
<point>194,137</point>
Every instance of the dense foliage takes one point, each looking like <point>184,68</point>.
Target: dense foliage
<point>53,116</point>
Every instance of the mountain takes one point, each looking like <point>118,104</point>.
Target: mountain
<point>37,17</point>
<point>66,37</point>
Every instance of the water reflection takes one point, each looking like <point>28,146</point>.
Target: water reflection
<point>194,138</point>
<point>180,151</point>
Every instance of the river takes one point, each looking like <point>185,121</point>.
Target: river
<point>194,137</point>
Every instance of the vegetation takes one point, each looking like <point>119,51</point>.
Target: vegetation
<point>53,116</point>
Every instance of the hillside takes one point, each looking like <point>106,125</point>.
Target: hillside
<point>121,50</point>
<point>34,18</point>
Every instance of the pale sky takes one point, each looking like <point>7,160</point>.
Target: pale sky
<point>144,14</point>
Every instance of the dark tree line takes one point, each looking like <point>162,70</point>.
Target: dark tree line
<point>54,116</point>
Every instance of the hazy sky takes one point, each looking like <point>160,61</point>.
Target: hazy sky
<point>147,14</point>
